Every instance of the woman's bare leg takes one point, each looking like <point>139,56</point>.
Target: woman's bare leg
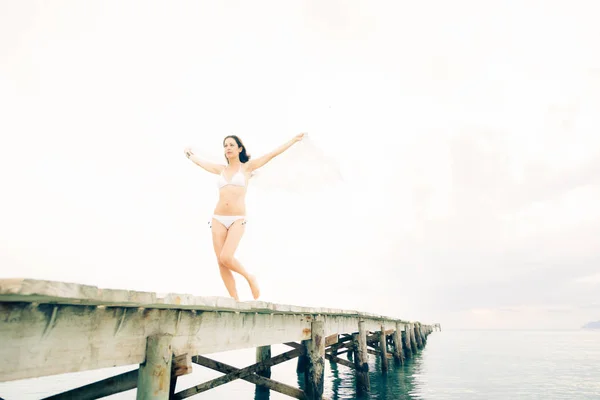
<point>219,234</point>
<point>234,235</point>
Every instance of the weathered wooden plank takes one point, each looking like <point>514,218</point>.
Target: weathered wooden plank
<point>295,345</point>
<point>181,365</point>
<point>238,374</point>
<point>378,353</point>
<point>114,332</point>
<point>33,335</point>
<point>33,343</point>
<point>252,378</point>
<point>105,387</point>
<point>331,339</point>
<point>53,292</point>
<point>344,338</point>
<point>338,360</point>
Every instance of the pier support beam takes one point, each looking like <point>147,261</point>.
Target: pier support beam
<point>301,365</point>
<point>397,336</point>
<point>363,384</point>
<point>154,377</point>
<point>263,353</point>
<point>413,340</point>
<point>315,358</point>
<point>417,333</point>
<point>408,353</point>
<point>383,349</point>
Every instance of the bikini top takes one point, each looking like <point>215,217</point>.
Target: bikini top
<point>238,179</point>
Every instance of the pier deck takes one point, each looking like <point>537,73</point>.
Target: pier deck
<point>49,328</point>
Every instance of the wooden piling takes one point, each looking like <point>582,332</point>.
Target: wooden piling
<point>315,358</point>
<point>154,377</point>
<point>363,384</point>
<point>413,340</point>
<point>417,336</point>
<point>383,349</point>
<point>301,365</point>
<point>263,353</point>
<point>398,356</point>
<point>423,334</point>
<point>408,353</point>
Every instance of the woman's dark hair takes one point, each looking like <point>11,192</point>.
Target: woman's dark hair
<point>244,157</point>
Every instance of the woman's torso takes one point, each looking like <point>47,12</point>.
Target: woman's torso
<point>232,184</point>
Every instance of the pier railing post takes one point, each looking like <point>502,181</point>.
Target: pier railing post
<point>363,384</point>
<point>398,356</point>
<point>154,376</point>
<point>315,358</point>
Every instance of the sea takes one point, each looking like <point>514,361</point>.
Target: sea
<point>455,364</point>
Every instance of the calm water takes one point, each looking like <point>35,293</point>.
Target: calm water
<point>454,365</point>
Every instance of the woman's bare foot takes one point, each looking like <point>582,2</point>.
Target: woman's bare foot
<point>254,286</point>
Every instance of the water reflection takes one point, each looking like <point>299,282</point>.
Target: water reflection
<point>343,382</point>
<point>399,382</point>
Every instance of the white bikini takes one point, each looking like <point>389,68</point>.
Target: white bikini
<point>238,179</point>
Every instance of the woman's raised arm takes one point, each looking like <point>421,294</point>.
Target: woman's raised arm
<point>259,162</point>
<point>208,166</point>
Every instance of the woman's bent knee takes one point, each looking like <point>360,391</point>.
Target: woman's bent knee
<point>226,260</point>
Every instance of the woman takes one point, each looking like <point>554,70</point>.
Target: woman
<point>229,216</point>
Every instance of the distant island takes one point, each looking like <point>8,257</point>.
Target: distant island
<point>592,325</point>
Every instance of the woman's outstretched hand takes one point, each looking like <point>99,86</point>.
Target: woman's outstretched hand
<point>299,137</point>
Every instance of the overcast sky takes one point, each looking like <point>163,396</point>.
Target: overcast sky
<point>466,133</point>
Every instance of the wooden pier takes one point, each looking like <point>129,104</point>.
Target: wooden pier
<point>49,328</point>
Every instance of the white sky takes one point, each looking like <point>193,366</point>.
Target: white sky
<point>467,135</point>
